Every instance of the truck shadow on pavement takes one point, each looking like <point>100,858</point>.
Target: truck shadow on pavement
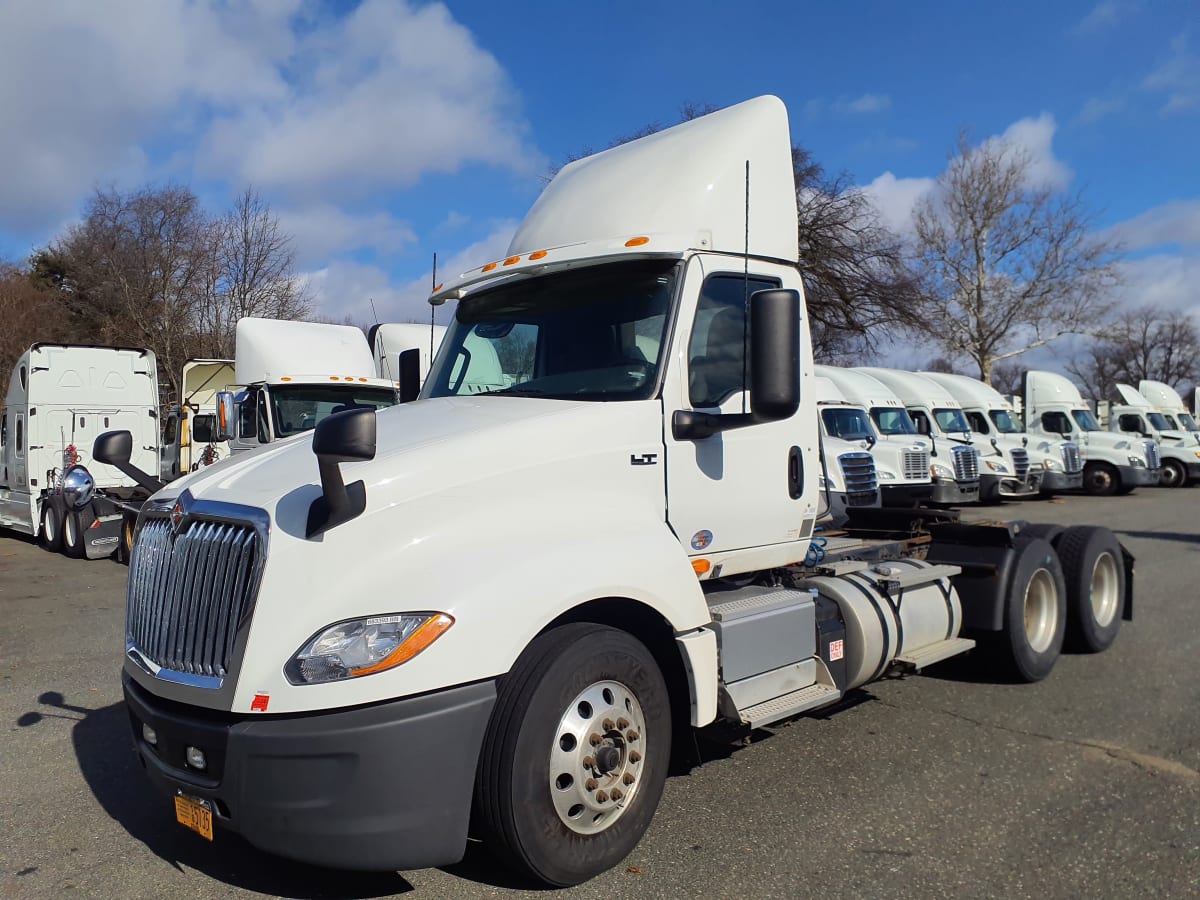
<point>110,766</point>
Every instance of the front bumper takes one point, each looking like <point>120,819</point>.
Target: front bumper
<point>380,787</point>
<point>1061,481</point>
<point>904,494</point>
<point>954,492</point>
<point>1137,476</point>
<point>1008,487</point>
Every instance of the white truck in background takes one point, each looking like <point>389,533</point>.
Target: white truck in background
<point>404,350</point>
<point>1053,465</point>
<point>1168,402</point>
<point>902,463</point>
<point>848,478</point>
<point>290,375</point>
<point>627,522</point>
<point>60,398</point>
<point>1113,464</point>
<point>1137,418</point>
<point>958,474</point>
<point>189,438</point>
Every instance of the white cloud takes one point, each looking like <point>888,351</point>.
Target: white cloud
<point>1105,14</point>
<point>869,103</point>
<point>320,231</point>
<point>1035,136</point>
<point>1097,108</point>
<point>895,199</point>
<point>1162,280</point>
<point>1175,223</point>
<point>1177,79</point>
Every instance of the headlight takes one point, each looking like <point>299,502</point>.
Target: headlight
<point>885,475</point>
<point>1051,465</point>
<point>937,470</point>
<point>1121,445</point>
<point>364,646</point>
<point>1197,454</point>
<point>1137,462</point>
<point>997,467</point>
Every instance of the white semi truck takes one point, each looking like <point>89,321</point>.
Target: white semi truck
<point>1137,417</point>
<point>959,475</point>
<point>902,462</point>
<point>60,398</point>
<point>404,350</point>
<point>1052,466</point>
<point>189,438</point>
<point>291,375</point>
<point>848,478</point>
<point>1113,464</point>
<point>493,613</point>
<point>1168,402</point>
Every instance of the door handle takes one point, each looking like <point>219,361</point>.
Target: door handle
<point>795,473</point>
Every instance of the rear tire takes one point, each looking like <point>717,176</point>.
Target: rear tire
<point>1100,479</point>
<point>1094,568</point>
<point>579,694</point>
<point>51,526</point>
<point>125,543</point>
<point>1035,612</point>
<point>72,534</point>
<point>1174,474</point>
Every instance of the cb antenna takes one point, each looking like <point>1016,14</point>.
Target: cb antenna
<point>432,308</point>
<point>746,290</point>
<point>383,357</point>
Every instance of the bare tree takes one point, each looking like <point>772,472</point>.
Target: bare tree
<point>856,274</point>
<point>1148,342</point>
<point>1011,263</point>
<point>30,312</point>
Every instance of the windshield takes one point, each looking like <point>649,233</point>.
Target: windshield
<point>1006,422</point>
<point>299,407</point>
<point>1188,423</point>
<point>1158,421</point>
<point>951,420</point>
<point>890,420</point>
<point>1085,420</point>
<point>847,422</point>
<point>593,334</point>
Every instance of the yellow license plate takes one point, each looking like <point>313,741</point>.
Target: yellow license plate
<point>195,814</point>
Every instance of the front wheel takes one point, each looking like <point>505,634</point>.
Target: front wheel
<point>1174,473</point>
<point>576,754</point>
<point>1095,575</point>
<point>1101,479</point>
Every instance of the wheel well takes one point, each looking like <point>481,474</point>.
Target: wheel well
<point>649,627</point>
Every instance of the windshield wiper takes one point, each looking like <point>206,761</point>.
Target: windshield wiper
<point>516,391</point>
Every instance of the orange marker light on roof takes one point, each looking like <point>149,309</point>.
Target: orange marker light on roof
<point>512,260</point>
<point>489,267</point>
<point>438,288</point>
<point>286,378</point>
<point>637,241</point>
<point>701,566</point>
<point>538,254</point>
<point>362,379</point>
<point>333,378</point>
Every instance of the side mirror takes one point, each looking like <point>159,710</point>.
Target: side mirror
<point>409,375</point>
<point>345,437</point>
<point>114,448</point>
<point>774,370</point>
<point>223,430</point>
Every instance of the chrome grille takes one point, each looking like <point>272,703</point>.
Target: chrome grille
<point>1020,458</point>
<point>966,464</point>
<point>858,470</point>
<point>1152,458</point>
<point>916,465</point>
<point>189,592</point>
<point>1072,461</point>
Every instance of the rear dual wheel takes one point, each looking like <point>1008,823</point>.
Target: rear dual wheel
<point>72,534</point>
<point>1035,612</point>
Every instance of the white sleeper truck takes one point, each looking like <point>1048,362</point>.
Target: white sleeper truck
<point>1167,401</point>
<point>1113,463</point>
<point>60,398</point>
<point>901,457</point>
<point>1051,466</point>
<point>404,350</point>
<point>627,523</point>
<point>1138,418</point>
<point>958,473</point>
<point>848,479</point>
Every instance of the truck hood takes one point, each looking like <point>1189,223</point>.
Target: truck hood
<point>433,446</point>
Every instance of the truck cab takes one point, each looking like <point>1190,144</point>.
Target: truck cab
<point>1137,417</point>
<point>901,457</point>
<point>1049,466</point>
<point>958,474</point>
<point>848,477</point>
<point>1114,464</point>
<point>190,427</point>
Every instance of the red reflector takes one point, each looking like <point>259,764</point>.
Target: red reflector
<point>259,704</point>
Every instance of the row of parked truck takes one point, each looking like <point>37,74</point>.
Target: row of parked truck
<point>605,521</point>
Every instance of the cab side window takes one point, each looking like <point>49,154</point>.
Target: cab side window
<point>1056,422</point>
<point>264,422</point>
<point>920,420</point>
<point>1130,422</point>
<point>977,422</point>
<point>717,351</point>
<point>248,416</point>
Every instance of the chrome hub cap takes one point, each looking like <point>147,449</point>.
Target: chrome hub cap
<point>1106,589</point>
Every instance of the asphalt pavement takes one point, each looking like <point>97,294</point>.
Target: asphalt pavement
<point>949,783</point>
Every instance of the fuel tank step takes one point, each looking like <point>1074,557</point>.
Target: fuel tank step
<point>790,704</point>
<point>933,653</point>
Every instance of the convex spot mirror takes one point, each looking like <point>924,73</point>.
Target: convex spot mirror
<point>223,428</point>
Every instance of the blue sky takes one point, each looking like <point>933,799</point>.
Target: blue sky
<point>381,132</point>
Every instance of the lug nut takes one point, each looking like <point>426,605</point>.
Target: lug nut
<point>591,784</point>
<point>595,739</point>
<point>631,735</point>
<point>627,779</point>
<point>608,725</point>
<point>589,762</point>
<point>622,723</point>
<point>616,795</point>
<point>602,796</point>
<point>634,756</point>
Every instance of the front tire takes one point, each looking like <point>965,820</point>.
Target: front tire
<point>72,534</point>
<point>51,527</point>
<point>576,755</point>
<point>1101,479</point>
<point>1035,612</point>
<point>1094,568</point>
<point>1174,474</point>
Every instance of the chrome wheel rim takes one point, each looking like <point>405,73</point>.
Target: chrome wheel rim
<point>1106,589</point>
<point>50,526</point>
<point>69,535</point>
<point>597,757</point>
<point>1041,611</point>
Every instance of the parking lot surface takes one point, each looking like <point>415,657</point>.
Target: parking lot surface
<point>951,783</point>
